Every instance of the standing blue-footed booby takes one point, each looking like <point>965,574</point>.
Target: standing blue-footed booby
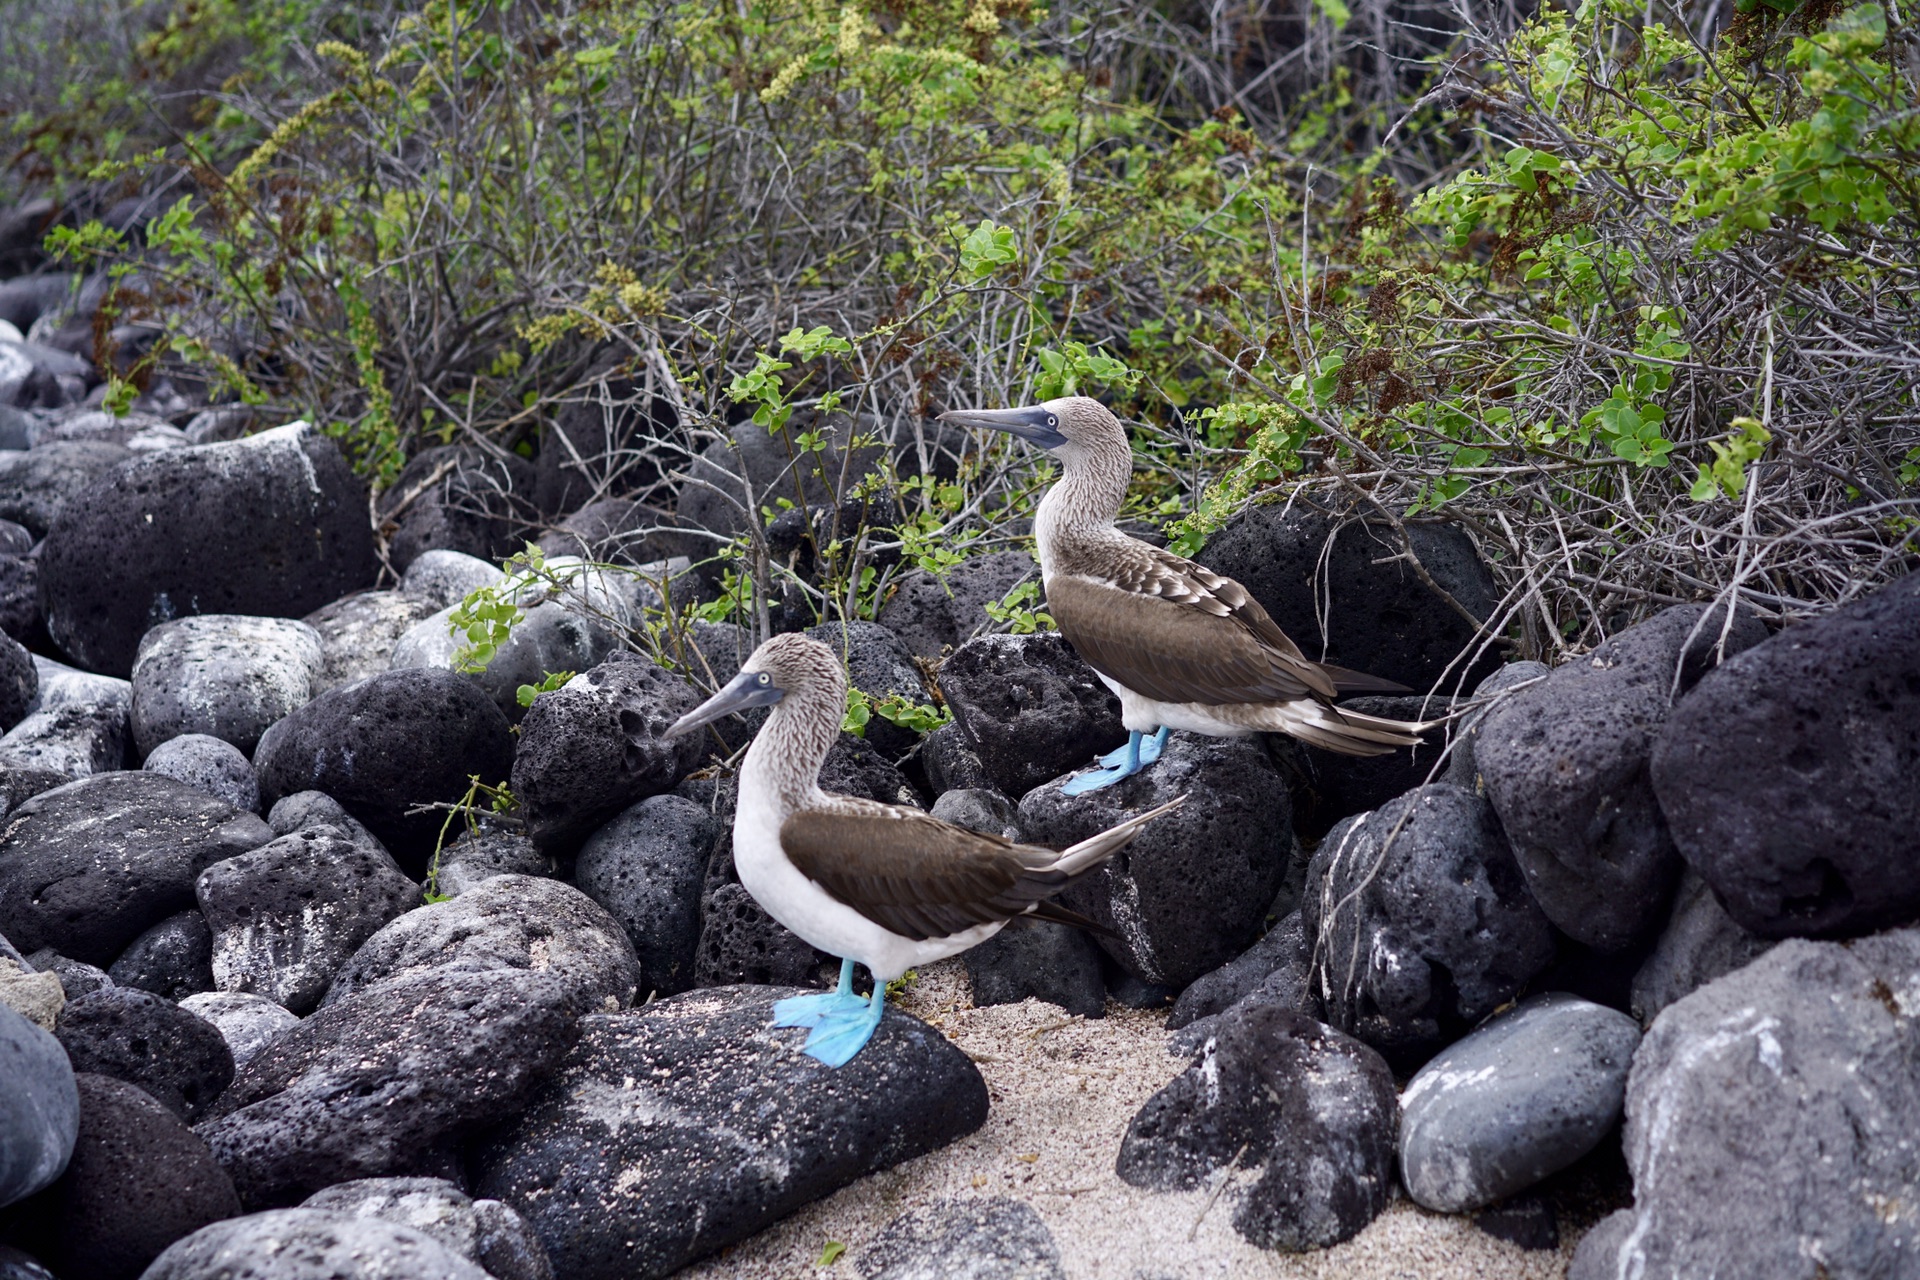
<point>886,886</point>
<point>1182,646</point>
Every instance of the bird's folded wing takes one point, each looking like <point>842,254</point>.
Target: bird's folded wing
<point>1175,632</point>
<point>911,873</point>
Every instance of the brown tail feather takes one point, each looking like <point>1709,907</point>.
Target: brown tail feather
<point>1346,682</point>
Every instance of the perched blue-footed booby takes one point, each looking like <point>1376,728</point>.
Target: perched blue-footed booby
<point>1183,647</point>
<point>886,886</point>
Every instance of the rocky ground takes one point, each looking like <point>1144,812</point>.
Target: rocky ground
<point>1624,984</point>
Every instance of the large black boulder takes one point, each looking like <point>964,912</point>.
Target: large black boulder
<point>180,1060</point>
<point>87,867</point>
<point>384,1081</point>
<point>286,916</point>
<point>1565,763</point>
<point>505,922</point>
<point>1276,968</point>
<point>879,666</point>
<point>1297,1117</point>
<point>1422,922</point>
<point>1193,888</point>
<point>139,1180</point>
<point>173,960</point>
<point>1029,708</point>
<point>1305,563</point>
<point>932,613</point>
<point>647,867</point>
<point>1790,776</point>
<point>386,744</point>
<point>274,525</point>
<point>1773,1123</point>
<point>684,1126</point>
<point>589,750</point>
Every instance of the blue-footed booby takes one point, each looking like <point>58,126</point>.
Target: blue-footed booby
<point>1182,646</point>
<point>887,886</point>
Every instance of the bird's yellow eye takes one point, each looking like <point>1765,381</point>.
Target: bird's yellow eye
<point>765,678</point>
<point>1052,421</point>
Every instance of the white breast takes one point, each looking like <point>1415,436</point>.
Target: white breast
<point>817,916</point>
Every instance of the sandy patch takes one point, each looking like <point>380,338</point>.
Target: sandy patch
<point>1063,1090</point>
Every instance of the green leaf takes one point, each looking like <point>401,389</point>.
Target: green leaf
<point>987,248</point>
<point>831,1254</point>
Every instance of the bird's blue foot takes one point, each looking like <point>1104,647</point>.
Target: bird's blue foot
<point>1123,762</point>
<point>1149,748</point>
<point>811,1011</point>
<point>839,1036</point>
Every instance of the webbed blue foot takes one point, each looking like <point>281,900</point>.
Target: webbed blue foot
<point>838,1037</point>
<point>1123,762</point>
<point>1149,748</point>
<point>812,1011</point>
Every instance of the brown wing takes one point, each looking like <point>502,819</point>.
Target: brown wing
<point>914,874</point>
<point>1176,632</point>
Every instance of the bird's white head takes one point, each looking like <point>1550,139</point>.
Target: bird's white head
<point>1070,427</point>
<point>787,668</point>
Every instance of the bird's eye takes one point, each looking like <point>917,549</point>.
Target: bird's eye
<point>765,679</point>
<point>1052,421</point>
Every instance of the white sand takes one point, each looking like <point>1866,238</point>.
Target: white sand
<point>1063,1091</point>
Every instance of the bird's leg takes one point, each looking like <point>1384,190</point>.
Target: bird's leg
<point>1131,759</point>
<point>817,1010</point>
<point>1150,749</point>
<point>839,1037</point>
<point>1114,758</point>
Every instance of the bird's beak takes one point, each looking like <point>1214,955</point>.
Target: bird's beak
<point>744,692</point>
<point>1035,423</point>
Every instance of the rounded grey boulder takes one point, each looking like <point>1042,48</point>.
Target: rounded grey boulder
<point>245,1021</point>
<point>1522,1097</point>
<point>482,1231</point>
<point>223,675</point>
<point>310,1244</point>
<point>39,1108</point>
<point>506,922</point>
<point>211,764</point>
<point>1773,1123</point>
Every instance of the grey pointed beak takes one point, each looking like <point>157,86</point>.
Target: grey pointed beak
<point>1034,423</point>
<point>744,692</point>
